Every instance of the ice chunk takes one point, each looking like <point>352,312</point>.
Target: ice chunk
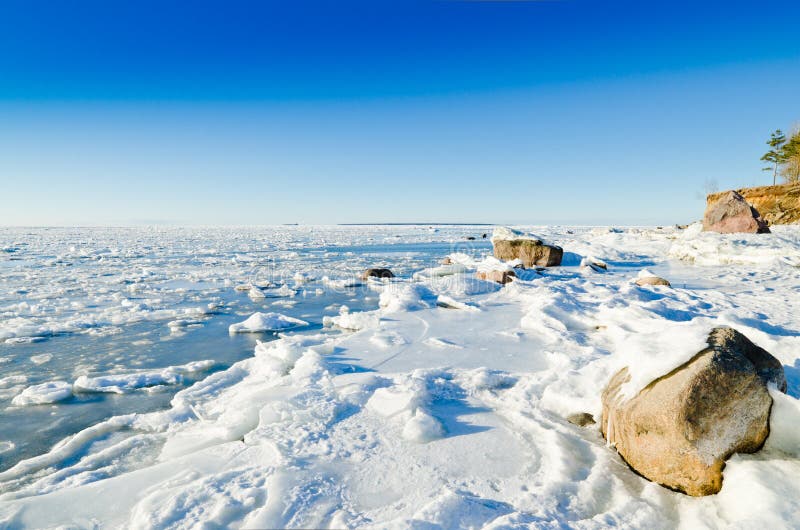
<point>261,322</point>
<point>422,428</point>
<point>44,393</point>
<point>122,383</point>
<point>406,297</point>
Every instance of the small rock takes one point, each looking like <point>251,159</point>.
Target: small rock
<point>502,277</point>
<point>581,419</point>
<point>377,273</point>
<point>680,429</point>
<point>652,280</point>
<point>594,264</point>
<point>471,238</point>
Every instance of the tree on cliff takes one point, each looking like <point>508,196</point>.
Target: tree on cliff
<point>790,168</point>
<point>775,155</point>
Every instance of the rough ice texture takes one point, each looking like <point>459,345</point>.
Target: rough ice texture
<point>703,248</point>
<point>122,383</point>
<point>286,438</point>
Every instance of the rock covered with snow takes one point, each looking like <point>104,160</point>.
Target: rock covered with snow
<point>652,280</point>
<point>681,428</point>
<point>593,264</point>
<point>529,249</point>
<point>730,213</point>
<point>645,277</point>
<point>261,322</point>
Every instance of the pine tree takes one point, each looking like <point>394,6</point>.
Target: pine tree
<point>790,153</point>
<point>775,155</point>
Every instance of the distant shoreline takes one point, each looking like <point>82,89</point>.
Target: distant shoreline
<point>416,224</point>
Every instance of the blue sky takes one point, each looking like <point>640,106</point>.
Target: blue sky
<point>572,111</point>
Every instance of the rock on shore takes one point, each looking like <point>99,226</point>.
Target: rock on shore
<point>532,251</point>
<point>681,428</point>
<point>776,204</point>
<point>730,213</point>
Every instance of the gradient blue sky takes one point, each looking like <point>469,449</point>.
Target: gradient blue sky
<point>572,111</point>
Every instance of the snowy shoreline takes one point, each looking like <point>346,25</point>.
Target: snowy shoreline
<point>448,405</point>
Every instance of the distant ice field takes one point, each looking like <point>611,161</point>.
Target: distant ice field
<point>78,302</point>
<point>250,378</point>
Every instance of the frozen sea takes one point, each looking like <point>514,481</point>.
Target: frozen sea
<point>431,400</point>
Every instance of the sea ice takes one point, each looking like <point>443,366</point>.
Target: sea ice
<point>261,322</point>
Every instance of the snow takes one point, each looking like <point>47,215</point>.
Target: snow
<point>405,297</point>
<point>44,393</point>
<point>503,233</point>
<point>353,321</point>
<point>444,407</point>
<point>260,322</point>
<point>706,248</point>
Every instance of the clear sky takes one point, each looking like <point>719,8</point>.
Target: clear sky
<point>539,112</point>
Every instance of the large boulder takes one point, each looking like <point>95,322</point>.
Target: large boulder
<point>730,213</point>
<point>511,244</point>
<point>681,428</point>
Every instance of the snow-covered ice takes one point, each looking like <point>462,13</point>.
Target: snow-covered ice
<point>259,322</point>
<point>44,393</point>
<point>442,402</point>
